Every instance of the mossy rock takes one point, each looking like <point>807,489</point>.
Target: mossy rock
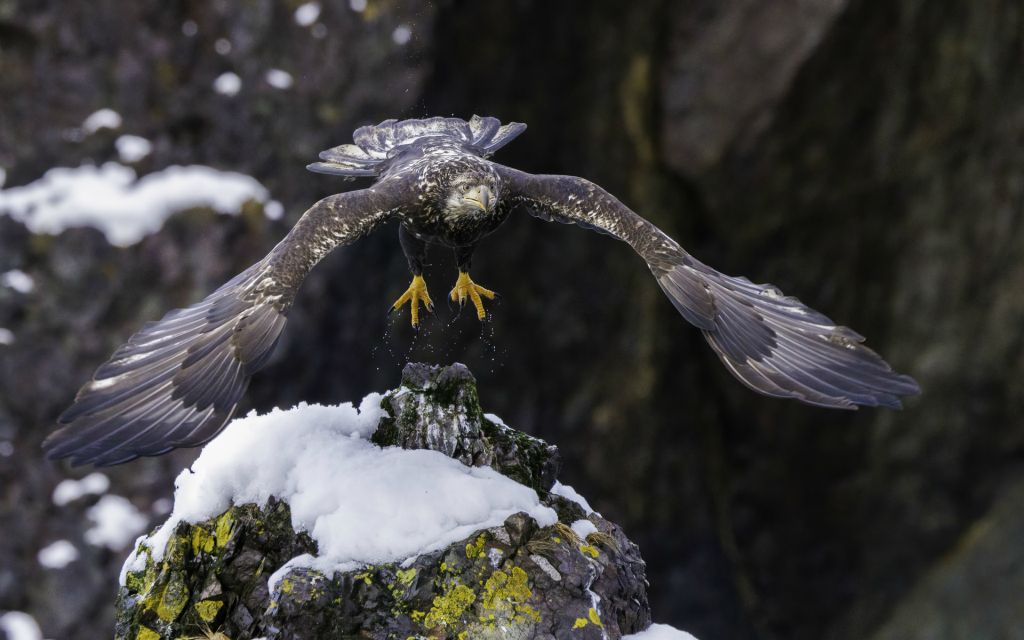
<point>517,580</point>
<point>438,408</point>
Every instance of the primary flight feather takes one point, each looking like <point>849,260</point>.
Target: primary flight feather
<point>177,381</point>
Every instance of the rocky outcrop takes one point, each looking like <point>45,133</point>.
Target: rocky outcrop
<point>580,576</point>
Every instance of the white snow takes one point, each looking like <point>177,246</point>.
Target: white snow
<point>102,119</point>
<point>18,280</point>
<point>6,336</point>
<point>132,148</point>
<point>126,209</point>
<point>569,493</point>
<point>57,555</point>
<point>659,632</point>
<point>583,528</point>
<point>18,625</point>
<point>162,506</point>
<point>222,46</point>
<point>357,5</point>
<point>307,14</point>
<point>279,78</point>
<point>227,83</point>
<point>273,209</point>
<point>70,490</point>
<point>361,503</point>
<point>116,523</point>
<point>402,34</point>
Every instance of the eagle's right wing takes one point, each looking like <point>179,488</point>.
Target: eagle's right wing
<point>177,381</point>
<point>773,343</point>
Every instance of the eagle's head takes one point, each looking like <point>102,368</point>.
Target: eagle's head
<point>469,188</point>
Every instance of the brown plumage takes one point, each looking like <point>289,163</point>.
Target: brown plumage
<point>177,381</point>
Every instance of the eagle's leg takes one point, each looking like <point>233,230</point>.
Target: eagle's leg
<point>415,251</point>
<point>465,288</point>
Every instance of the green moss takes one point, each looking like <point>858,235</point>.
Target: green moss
<point>207,610</point>
<point>447,609</point>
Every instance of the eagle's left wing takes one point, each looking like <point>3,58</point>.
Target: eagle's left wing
<point>178,380</point>
<point>772,343</point>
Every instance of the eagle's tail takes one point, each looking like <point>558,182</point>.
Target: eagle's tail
<point>375,144</point>
<point>176,382</point>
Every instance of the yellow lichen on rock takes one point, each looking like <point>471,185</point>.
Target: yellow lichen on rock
<point>145,633</point>
<point>208,609</point>
<point>506,595</point>
<point>475,549</point>
<point>447,608</point>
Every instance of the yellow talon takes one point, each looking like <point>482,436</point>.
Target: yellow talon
<point>416,293</point>
<point>466,288</point>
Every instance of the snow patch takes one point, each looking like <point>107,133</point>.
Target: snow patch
<point>69,490</point>
<point>402,34</point>
<point>126,209</point>
<point>6,336</point>
<point>279,78</point>
<point>57,555</point>
<point>307,14</point>
<point>116,523</point>
<point>273,209</point>
<point>569,493</point>
<point>102,119</point>
<point>659,632</point>
<point>357,5</point>
<point>18,625</point>
<point>227,83</point>
<point>132,148</point>
<point>363,504</point>
<point>18,280</point>
<point>583,528</point>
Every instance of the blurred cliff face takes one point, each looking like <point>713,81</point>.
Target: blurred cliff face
<point>864,156</point>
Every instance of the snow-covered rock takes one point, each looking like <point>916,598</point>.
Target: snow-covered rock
<point>415,515</point>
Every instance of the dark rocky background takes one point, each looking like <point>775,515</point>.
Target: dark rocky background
<point>864,155</point>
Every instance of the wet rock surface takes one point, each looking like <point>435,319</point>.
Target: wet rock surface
<point>518,580</point>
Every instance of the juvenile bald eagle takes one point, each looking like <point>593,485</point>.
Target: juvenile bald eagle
<point>177,381</point>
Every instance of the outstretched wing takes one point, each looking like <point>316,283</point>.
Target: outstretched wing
<point>177,381</point>
<point>773,343</point>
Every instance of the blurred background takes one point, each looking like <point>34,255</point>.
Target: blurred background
<point>864,155</point>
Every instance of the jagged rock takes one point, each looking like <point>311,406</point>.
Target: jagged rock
<point>581,575</point>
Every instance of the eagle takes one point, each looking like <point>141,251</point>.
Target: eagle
<point>178,380</point>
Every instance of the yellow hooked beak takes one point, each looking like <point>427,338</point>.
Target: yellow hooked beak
<point>480,196</point>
